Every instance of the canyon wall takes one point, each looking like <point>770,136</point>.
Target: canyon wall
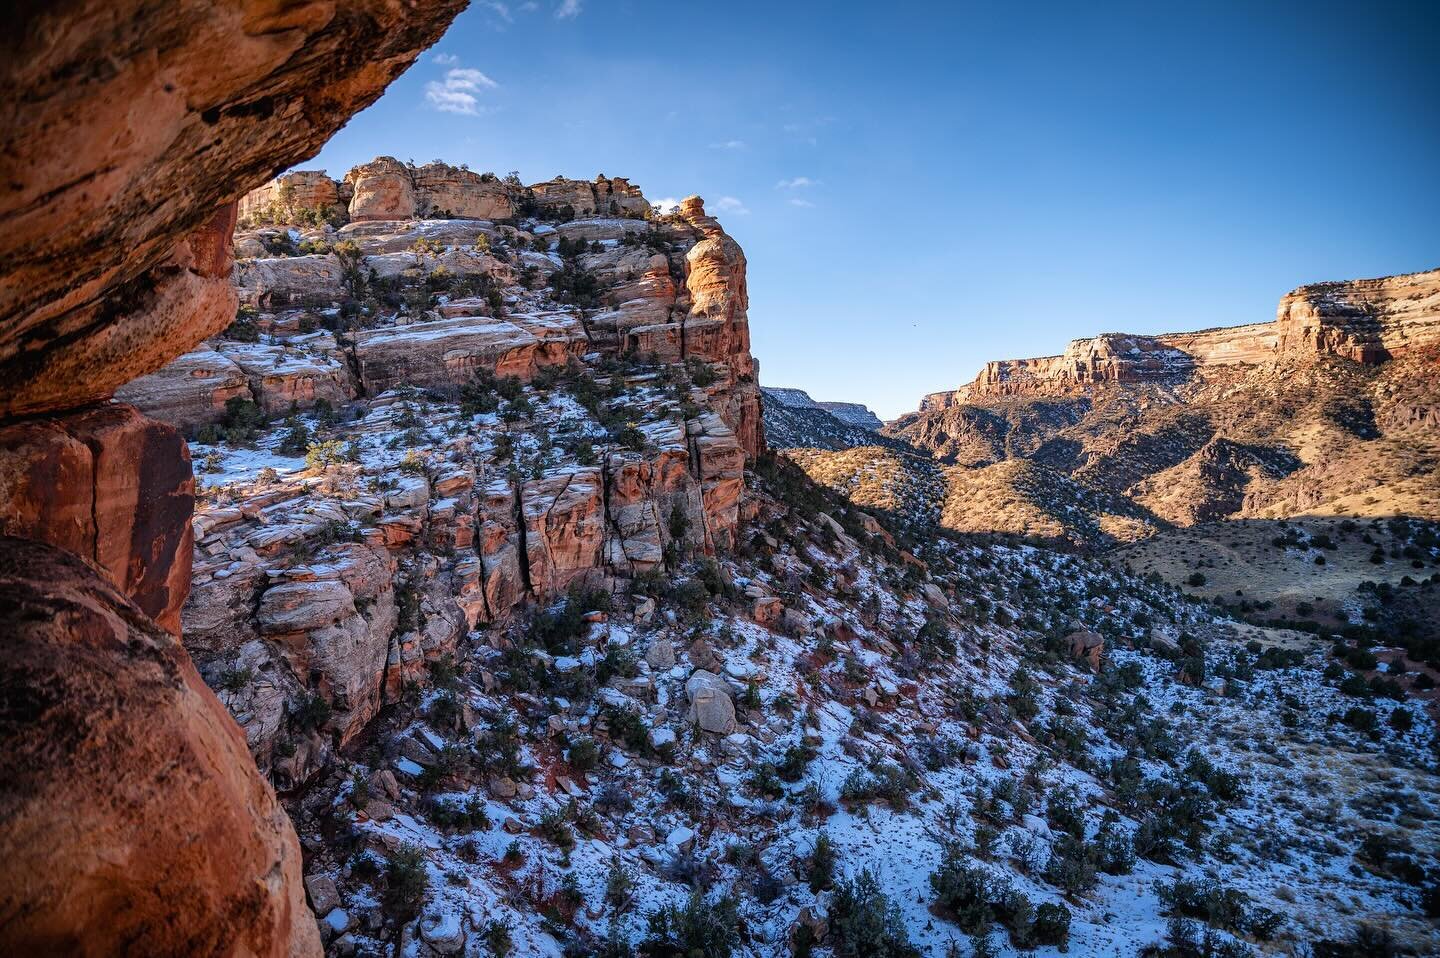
<point>131,818</point>
<point>334,587</point>
<point>1367,321</point>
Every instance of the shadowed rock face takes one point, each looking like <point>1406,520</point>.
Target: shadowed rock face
<point>159,837</point>
<point>112,486</point>
<point>139,128</point>
<point>132,819</point>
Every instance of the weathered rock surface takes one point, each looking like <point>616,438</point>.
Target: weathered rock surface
<point>131,818</point>
<point>605,196</point>
<point>107,484</point>
<point>1367,320</point>
<point>711,708</point>
<point>387,189</point>
<point>287,195</point>
<point>452,350</point>
<point>101,282</point>
<point>190,390</point>
<point>287,281</point>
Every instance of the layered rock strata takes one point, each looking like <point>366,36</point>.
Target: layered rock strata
<point>1368,321</point>
<point>608,359</point>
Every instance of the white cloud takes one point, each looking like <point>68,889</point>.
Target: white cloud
<point>797,201</point>
<point>501,10</point>
<point>729,204</point>
<point>728,145</point>
<point>456,93</point>
<point>668,205</point>
<point>568,9</point>
<point>799,182</point>
<point>469,79</point>
<point>529,6</point>
<point>446,59</point>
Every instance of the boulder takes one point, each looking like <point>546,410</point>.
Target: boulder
<point>134,822</point>
<point>1086,645</point>
<point>661,654</point>
<point>324,896</point>
<point>767,610</point>
<point>711,707</point>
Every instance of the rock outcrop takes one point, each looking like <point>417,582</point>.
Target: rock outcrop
<point>1116,359</point>
<point>134,822</point>
<point>288,196</point>
<point>605,196</point>
<point>189,391</point>
<point>854,413</point>
<point>112,486</point>
<point>387,189</point>
<point>101,282</point>
<point>1367,320</point>
<point>503,425</point>
<point>450,351</point>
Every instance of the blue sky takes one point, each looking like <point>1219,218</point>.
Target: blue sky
<point>921,188</point>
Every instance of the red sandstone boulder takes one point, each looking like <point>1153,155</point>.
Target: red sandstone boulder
<point>132,820</point>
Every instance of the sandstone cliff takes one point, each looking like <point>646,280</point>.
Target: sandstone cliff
<point>1222,423</point>
<point>1367,321</point>
<point>514,408</point>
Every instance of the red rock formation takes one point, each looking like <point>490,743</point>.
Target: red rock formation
<point>386,189</point>
<point>286,196</point>
<point>1367,320</point>
<point>451,350</point>
<point>134,821</point>
<point>109,485</point>
<point>190,391</point>
<point>603,197</point>
<point>110,170</point>
<point>717,327</point>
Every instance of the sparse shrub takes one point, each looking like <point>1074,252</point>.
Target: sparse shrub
<point>406,882</point>
<point>867,924</point>
<point>699,929</point>
<point>822,863</point>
